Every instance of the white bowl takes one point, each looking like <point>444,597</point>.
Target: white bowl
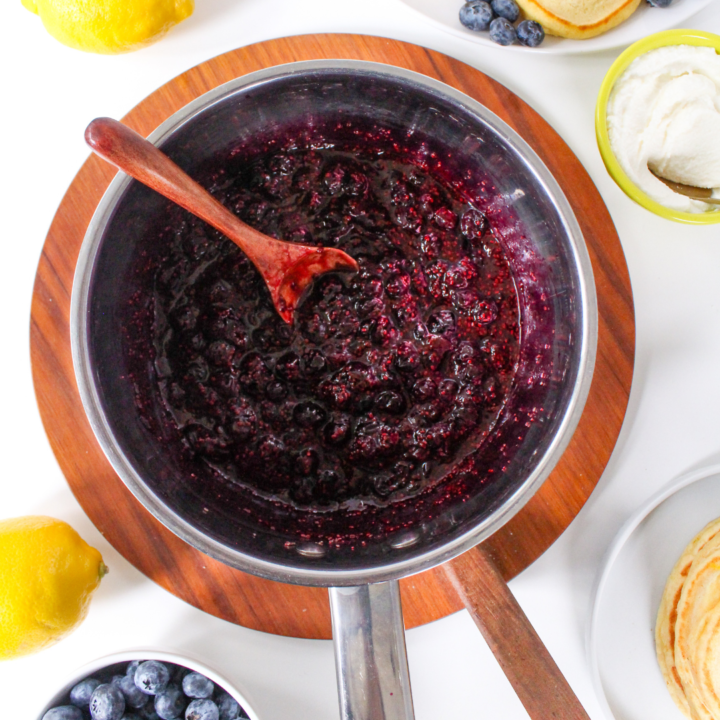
<point>187,661</point>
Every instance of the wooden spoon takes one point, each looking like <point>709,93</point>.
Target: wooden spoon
<point>696,193</point>
<point>287,268</point>
<point>537,680</point>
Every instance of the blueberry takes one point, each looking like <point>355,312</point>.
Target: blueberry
<point>530,33</point>
<point>107,703</point>
<point>134,696</point>
<point>152,677</point>
<point>65,712</point>
<point>288,366</point>
<point>424,389</point>
<point>407,357</point>
<point>276,390</point>
<point>81,693</point>
<point>507,9</point>
<point>502,32</point>
<point>337,431</point>
<point>202,710</point>
<point>445,217</point>
<point>309,414</point>
<point>441,321</point>
<point>147,712</point>
<point>390,401</point>
<point>170,703</point>
<point>473,223</point>
<point>228,707</point>
<point>178,672</point>
<point>314,362</point>
<point>196,685</point>
<point>659,3</point>
<point>476,15</point>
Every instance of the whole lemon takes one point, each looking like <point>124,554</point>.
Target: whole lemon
<point>109,26</point>
<point>47,575</point>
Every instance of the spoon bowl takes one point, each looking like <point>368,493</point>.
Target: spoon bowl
<point>691,191</point>
<point>287,268</point>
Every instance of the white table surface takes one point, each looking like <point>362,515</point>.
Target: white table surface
<point>51,92</point>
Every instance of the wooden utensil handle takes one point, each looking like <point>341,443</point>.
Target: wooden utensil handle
<point>532,672</point>
<point>133,154</point>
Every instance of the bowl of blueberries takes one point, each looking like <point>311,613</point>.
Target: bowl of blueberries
<point>147,685</point>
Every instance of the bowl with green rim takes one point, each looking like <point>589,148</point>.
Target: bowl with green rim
<point>652,42</point>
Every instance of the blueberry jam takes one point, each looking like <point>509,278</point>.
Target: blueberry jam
<point>386,379</point>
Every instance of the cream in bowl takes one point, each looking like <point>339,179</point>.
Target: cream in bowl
<point>663,118</point>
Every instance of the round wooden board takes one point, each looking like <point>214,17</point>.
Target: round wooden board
<point>288,609</point>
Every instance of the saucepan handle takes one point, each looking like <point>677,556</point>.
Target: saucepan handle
<point>370,656</point>
<point>529,667</point>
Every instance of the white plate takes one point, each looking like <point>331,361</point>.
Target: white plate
<point>621,641</point>
<point>644,21</point>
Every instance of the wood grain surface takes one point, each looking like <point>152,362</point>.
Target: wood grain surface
<point>526,662</point>
<point>262,604</point>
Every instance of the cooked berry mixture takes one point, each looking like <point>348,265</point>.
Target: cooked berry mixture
<point>386,378</point>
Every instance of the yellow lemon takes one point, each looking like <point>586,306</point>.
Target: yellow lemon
<point>109,26</point>
<point>47,575</point>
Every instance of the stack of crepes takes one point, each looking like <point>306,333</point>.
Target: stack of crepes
<point>687,632</point>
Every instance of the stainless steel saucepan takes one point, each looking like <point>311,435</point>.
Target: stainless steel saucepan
<point>559,328</point>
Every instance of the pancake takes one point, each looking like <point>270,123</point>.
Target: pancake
<point>699,596</point>
<point>706,656</point>
<point>578,19</point>
<point>665,627</point>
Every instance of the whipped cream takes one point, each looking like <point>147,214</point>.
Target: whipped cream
<point>664,112</point>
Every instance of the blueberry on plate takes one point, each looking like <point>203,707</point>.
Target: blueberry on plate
<point>196,685</point>
<point>152,677</point>
<point>170,703</point>
<point>107,703</point>
<point>476,15</point>
<point>530,33</point>
<point>659,3</point>
<point>202,710</point>
<point>502,32</point>
<point>507,9</point>
<point>64,712</point>
<point>80,695</point>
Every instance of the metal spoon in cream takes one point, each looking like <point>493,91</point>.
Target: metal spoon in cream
<point>696,193</point>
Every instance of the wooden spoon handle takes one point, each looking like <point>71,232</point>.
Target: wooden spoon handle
<point>532,672</point>
<point>133,154</point>
<point>287,268</point>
